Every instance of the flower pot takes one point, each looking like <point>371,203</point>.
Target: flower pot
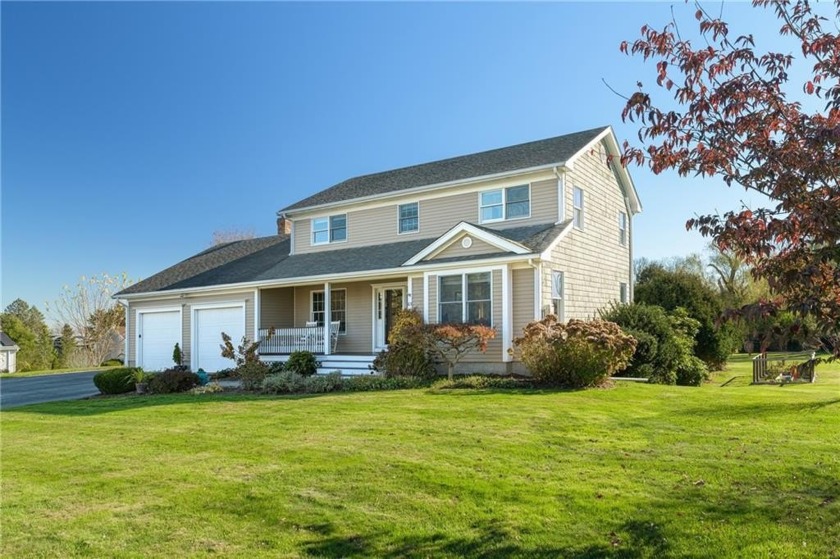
<point>141,387</point>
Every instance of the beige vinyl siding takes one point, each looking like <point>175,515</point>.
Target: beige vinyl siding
<point>359,312</point>
<point>593,260</point>
<point>438,214</point>
<point>523,299</point>
<point>277,308</point>
<point>186,322</point>
<point>455,250</point>
<point>417,293</point>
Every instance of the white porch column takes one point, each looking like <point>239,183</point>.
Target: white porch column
<point>327,319</point>
<point>507,313</point>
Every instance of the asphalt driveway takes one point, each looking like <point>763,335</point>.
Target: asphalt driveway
<point>48,388</point>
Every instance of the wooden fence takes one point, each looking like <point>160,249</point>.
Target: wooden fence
<point>783,369</point>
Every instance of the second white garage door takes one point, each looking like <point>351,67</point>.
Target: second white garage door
<point>209,325</point>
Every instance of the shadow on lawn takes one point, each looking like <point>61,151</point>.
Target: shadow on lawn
<point>761,410</point>
<point>662,520</point>
<point>108,404</point>
<point>635,539</point>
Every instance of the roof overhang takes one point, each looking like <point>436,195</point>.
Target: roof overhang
<point>382,273</point>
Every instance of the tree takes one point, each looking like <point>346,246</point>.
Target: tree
<point>673,289</point>
<point>91,312</point>
<point>67,348</point>
<point>451,342</point>
<point>20,320</point>
<point>723,109</point>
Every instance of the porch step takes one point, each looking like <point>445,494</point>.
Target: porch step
<point>347,364</point>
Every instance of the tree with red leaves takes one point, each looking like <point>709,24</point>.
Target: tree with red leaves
<point>451,342</point>
<point>725,111</point>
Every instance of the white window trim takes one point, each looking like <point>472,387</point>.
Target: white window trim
<point>561,316</point>
<point>399,219</point>
<point>626,293</point>
<point>504,217</point>
<point>329,229</point>
<point>312,309</point>
<point>582,208</point>
<point>464,301</point>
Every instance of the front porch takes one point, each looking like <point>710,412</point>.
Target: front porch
<point>296,318</point>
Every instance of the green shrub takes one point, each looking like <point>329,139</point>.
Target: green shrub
<point>671,289</point>
<point>692,372</point>
<point>285,382</point>
<point>320,384</point>
<point>112,363</point>
<point>171,381</point>
<point>302,363</point>
<point>483,382</point>
<point>252,374</point>
<point>375,382</point>
<point>407,354</point>
<point>209,388</point>
<point>577,354</point>
<point>115,381</point>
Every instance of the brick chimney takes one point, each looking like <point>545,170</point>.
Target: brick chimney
<point>284,226</point>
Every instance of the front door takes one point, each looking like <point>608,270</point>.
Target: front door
<point>388,301</point>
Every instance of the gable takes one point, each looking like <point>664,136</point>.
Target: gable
<point>465,246</point>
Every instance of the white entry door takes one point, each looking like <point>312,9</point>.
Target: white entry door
<point>157,334</point>
<point>207,336</point>
<point>387,301</point>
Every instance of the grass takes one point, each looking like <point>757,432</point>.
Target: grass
<point>52,372</point>
<point>725,470</point>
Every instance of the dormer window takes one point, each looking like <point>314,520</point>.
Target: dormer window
<point>332,229</point>
<point>502,204</point>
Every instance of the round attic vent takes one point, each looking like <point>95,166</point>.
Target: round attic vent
<point>466,242</point>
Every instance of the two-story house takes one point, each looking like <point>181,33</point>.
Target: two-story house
<point>501,237</point>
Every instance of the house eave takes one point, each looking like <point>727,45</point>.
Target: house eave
<point>381,273</point>
<point>418,189</point>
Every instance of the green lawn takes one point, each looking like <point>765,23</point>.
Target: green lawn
<point>634,471</point>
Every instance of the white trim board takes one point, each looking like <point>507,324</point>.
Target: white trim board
<point>447,239</point>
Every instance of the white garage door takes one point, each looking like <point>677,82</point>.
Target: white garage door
<point>157,334</point>
<point>209,325</point>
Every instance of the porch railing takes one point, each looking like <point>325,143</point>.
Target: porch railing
<point>781,369</point>
<point>287,340</point>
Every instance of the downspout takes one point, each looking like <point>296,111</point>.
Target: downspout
<point>630,288</point>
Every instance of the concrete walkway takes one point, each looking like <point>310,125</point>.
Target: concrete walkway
<point>48,388</point>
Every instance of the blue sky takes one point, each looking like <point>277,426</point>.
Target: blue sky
<point>132,131</point>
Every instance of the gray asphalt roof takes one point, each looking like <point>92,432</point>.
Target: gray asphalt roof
<point>521,156</point>
<point>6,341</point>
<point>267,258</point>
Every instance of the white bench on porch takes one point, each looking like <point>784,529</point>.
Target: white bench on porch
<point>287,340</point>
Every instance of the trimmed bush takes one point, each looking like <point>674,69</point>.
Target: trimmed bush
<point>482,382</point>
<point>374,382</point>
<point>252,374</point>
<point>171,381</point>
<point>407,354</point>
<point>302,363</point>
<point>285,382</point>
<point>112,363</point>
<point>578,354</point>
<point>115,381</point>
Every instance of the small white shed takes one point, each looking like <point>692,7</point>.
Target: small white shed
<point>8,354</point>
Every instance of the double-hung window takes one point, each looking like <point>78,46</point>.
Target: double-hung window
<point>622,228</point>
<point>501,204</point>
<point>558,294</point>
<point>338,305</point>
<point>577,208</point>
<point>409,216</point>
<point>330,229</point>
<point>466,298</point>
